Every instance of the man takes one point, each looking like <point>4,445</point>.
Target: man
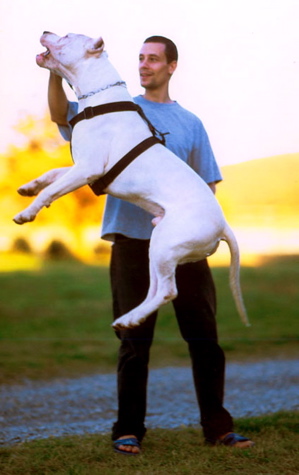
<point>130,227</point>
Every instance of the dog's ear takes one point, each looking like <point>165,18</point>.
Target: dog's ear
<point>98,47</point>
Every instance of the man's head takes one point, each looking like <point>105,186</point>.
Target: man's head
<point>171,51</point>
<point>157,62</point>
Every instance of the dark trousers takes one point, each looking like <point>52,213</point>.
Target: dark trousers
<point>195,308</point>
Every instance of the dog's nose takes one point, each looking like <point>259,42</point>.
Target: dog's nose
<point>46,32</point>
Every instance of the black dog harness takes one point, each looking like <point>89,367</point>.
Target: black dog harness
<point>99,185</point>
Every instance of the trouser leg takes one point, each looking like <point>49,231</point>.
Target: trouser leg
<point>195,309</point>
<point>129,272</point>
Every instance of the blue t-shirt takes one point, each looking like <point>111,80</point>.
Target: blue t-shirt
<point>186,137</point>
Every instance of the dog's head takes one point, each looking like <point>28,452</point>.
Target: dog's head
<point>64,54</point>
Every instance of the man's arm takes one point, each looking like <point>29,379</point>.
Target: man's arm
<point>213,187</point>
<point>58,103</point>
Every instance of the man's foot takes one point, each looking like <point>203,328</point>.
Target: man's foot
<point>127,444</point>
<point>231,439</point>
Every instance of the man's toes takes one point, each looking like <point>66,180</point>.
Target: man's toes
<point>244,445</point>
<point>129,448</point>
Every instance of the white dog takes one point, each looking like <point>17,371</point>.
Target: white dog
<point>188,221</point>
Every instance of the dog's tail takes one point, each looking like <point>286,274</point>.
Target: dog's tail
<point>234,273</point>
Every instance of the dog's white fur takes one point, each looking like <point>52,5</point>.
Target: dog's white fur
<point>189,223</point>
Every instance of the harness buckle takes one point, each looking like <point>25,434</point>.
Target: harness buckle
<point>88,113</point>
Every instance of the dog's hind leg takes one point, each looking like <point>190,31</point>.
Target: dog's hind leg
<point>35,186</point>
<point>165,293</point>
<point>161,291</point>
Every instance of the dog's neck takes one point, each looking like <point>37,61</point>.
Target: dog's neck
<point>91,80</point>
<point>92,93</point>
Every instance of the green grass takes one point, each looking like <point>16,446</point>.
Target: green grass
<point>164,452</point>
<point>56,321</point>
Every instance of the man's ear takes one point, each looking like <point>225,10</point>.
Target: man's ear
<point>172,67</point>
<point>98,47</point>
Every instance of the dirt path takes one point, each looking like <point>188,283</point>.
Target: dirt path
<point>88,404</point>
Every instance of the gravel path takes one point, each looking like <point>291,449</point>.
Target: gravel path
<point>88,405</point>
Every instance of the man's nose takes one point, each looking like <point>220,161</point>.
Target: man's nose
<point>143,67</point>
<point>143,63</point>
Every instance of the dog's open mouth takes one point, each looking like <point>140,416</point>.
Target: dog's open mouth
<point>42,58</point>
<point>46,53</point>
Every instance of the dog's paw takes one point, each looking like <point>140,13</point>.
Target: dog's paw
<point>156,220</point>
<point>26,190</point>
<point>22,218</point>
<point>18,219</point>
<point>125,321</point>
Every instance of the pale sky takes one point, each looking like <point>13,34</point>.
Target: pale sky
<point>238,63</point>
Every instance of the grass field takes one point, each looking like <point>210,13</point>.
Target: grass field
<point>164,452</point>
<point>56,321</point>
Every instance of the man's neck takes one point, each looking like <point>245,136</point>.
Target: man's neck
<point>156,95</point>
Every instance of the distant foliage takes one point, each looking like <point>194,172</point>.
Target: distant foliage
<point>21,245</point>
<point>68,218</point>
<point>57,250</point>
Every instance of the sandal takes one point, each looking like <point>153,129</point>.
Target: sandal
<point>232,439</point>
<point>129,441</point>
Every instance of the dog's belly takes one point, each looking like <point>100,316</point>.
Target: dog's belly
<point>158,180</point>
<point>199,253</point>
<point>189,234</point>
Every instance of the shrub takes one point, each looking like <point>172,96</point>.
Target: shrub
<point>21,245</point>
<point>57,250</point>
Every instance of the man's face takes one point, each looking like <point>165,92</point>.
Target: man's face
<point>154,70</point>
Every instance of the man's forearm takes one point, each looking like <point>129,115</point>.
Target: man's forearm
<point>213,187</point>
<point>58,103</point>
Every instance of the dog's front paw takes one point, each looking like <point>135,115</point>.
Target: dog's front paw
<point>28,190</point>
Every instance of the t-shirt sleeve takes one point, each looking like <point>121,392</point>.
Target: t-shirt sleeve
<point>66,130</point>
<point>202,158</point>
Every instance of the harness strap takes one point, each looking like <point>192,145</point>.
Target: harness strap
<point>101,183</point>
<point>122,106</point>
<point>90,112</point>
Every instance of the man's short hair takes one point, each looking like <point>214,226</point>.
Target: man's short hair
<point>171,51</point>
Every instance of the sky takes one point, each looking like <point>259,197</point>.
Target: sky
<point>238,64</point>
